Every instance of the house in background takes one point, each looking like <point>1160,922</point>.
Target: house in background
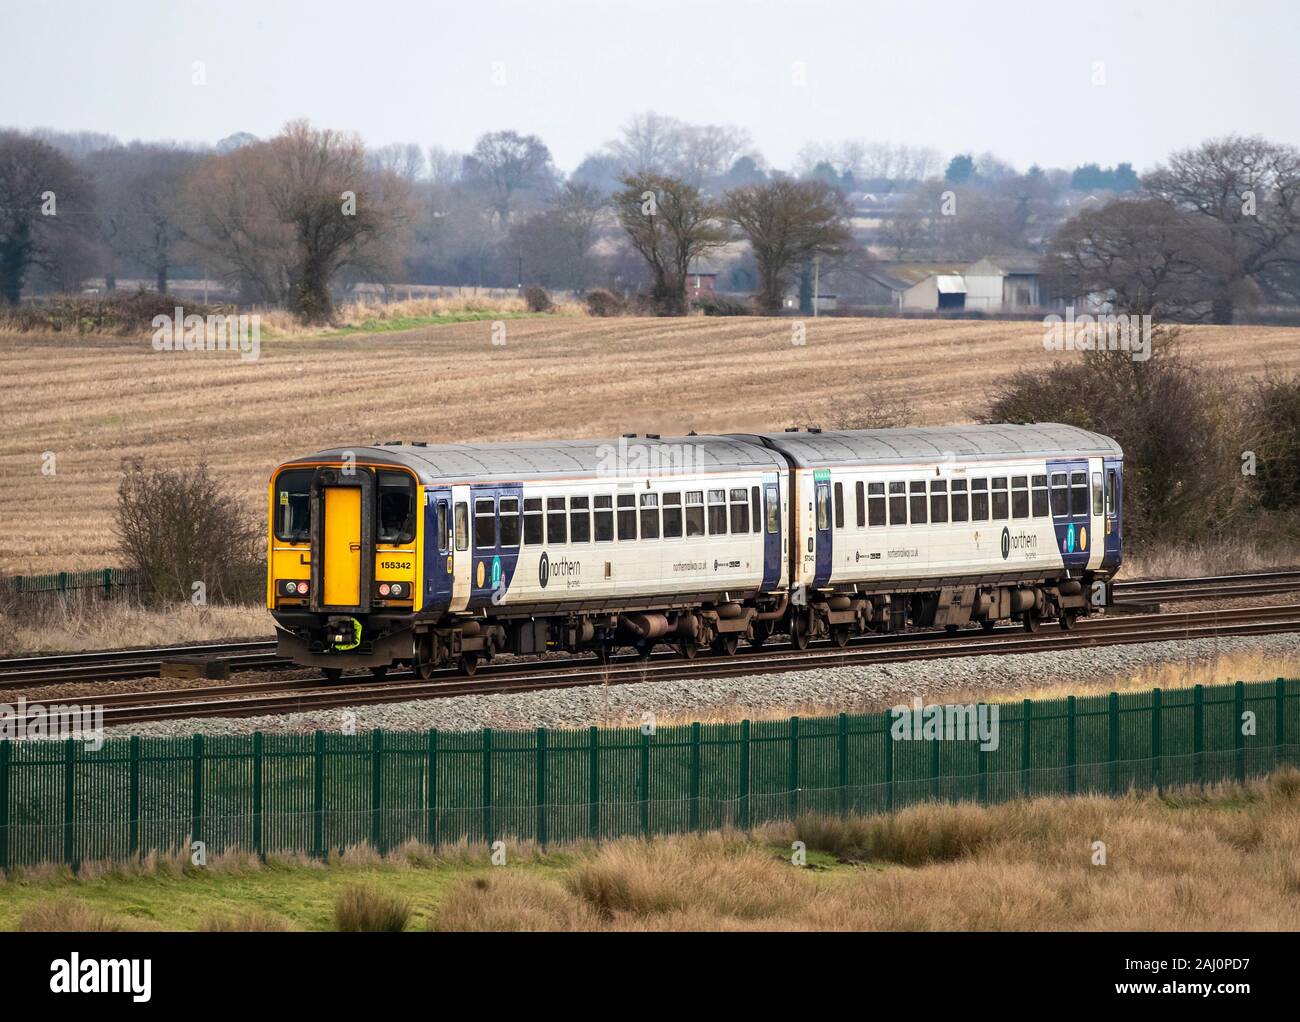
<point>914,285</point>
<point>701,281</point>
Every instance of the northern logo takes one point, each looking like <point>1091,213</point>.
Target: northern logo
<point>544,570</point>
<point>1006,542</point>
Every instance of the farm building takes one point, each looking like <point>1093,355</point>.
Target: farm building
<point>992,284</point>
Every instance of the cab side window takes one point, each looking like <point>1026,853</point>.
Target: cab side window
<point>462,525</point>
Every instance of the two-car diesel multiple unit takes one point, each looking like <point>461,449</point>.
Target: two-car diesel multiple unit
<point>429,554</point>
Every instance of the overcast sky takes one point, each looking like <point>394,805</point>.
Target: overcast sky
<point>1013,77</point>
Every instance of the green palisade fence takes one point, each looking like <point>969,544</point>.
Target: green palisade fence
<point>105,581</point>
<point>60,802</point>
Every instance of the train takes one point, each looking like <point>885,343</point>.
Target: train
<point>428,555</point>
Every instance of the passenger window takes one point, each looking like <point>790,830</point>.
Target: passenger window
<point>579,520</point>
<point>1040,505</point>
<point>509,521</point>
<point>917,505</point>
<point>396,508</point>
<point>672,515</point>
<point>293,505</point>
<point>823,507</point>
<point>839,505</point>
<point>938,500</point>
<point>462,525</point>
<point>860,503</point>
<point>1110,491</point>
<point>1096,493</point>
<point>444,528</point>
<point>556,522</point>
<point>739,513</point>
<point>773,510</point>
<point>533,520</point>
<point>627,516</point>
<point>717,512</point>
<point>694,513</point>
<point>650,515</point>
<point>875,504</point>
<point>1060,495</point>
<point>979,500</point>
<point>898,503</point>
<point>960,501</point>
<point>1019,496</point>
<point>485,524</point>
<point>755,514</point>
<point>604,518</point>
<point>1000,499</point>
<point>1078,494</point>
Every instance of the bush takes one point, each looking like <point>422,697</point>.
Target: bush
<point>718,305</point>
<point>537,298</point>
<point>367,910</point>
<point>605,303</point>
<point>1273,433</point>
<point>176,528</point>
<point>120,313</point>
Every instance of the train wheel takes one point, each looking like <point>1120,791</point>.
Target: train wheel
<point>644,649</point>
<point>726,644</point>
<point>988,624</point>
<point>332,673</point>
<point>424,669</point>
<point>379,671</point>
<point>468,663</point>
<point>1067,619</point>
<point>799,635</point>
<point>840,636</point>
<point>689,649</point>
<point>604,654</point>
<point>760,636</point>
<point>951,629</point>
<point>1030,621</point>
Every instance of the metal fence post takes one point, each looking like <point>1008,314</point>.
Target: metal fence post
<point>645,783</point>
<point>318,796</point>
<point>983,769</point>
<point>1157,740</point>
<point>69,797</point>
<point>1112,740</point>
<point>744,775</point>
<point>1238,733</point>
<point>887,738</point>
<point>1071,768</point>
<point>541,785</point>
<point>843,757</point>
<point>1198,732</point>
<point>431,789</point>
<point>1279,726</point>
<point>197,791</point>
<point>134,795</point>
<point>1026,744</point>
<point>934,769</point>
<point>377,790</point>
<point>487,785</point>
<point>793,781</point>
<point>593,785</point>
<point>695,776</point>
<point>5,749</point>
<point>257,793</point>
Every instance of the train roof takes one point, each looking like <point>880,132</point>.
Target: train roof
<point>652,456</point>
<point>928,444</point>
<point>634,456</point>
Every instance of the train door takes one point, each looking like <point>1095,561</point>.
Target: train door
<point>439,560</point>
<point>342,540</point>
<point>1114,502</point>
<point>461,519</point>
<point>771,532</point>
<point>1071,511</point>
<point>822,525</point>
<point>497,525</point>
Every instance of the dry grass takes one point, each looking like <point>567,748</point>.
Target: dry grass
<point>95,401</point>
<point>250,921</point>
<point>375,314</point>
<point>360,909</point>
<point>1219,860</point>
<point>43,624</point>
<point>1226,557</point>
<point>67,915</point>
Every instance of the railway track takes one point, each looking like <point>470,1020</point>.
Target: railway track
<point>273,698</point>
<point>114,665</point>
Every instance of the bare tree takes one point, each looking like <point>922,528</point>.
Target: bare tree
<point>1243,195</point>
<point>44,210</point>
<point>505,163</point>
<point>671,225</point>
<point>401,159</point>
<point>787,222</point>
<point>650,143</point>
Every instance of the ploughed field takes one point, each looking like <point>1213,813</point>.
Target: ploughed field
<point>92,402</point>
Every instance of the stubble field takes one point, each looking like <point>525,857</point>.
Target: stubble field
<point>91,403</point>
